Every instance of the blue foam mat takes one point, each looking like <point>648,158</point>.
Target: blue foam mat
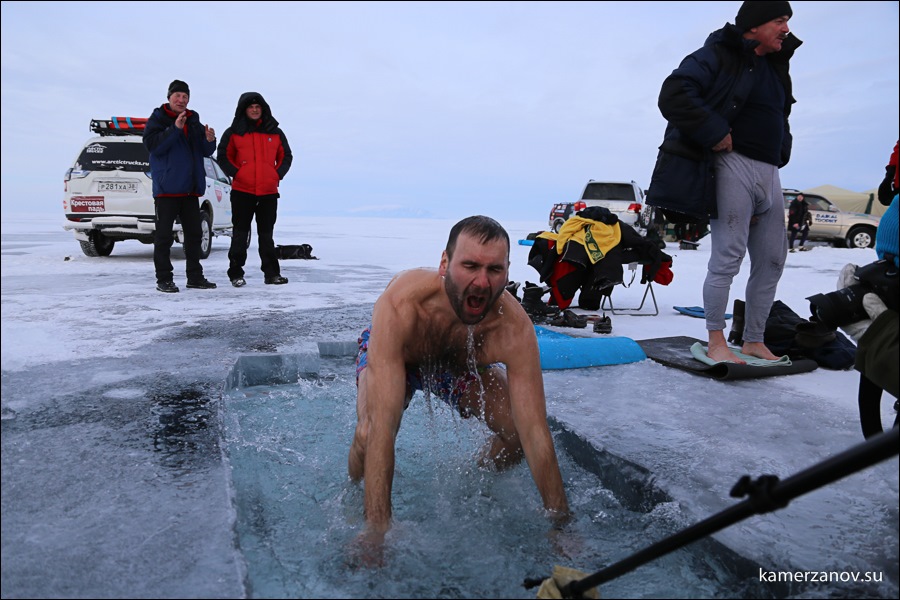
<point>561,351</point>
<point>696,311</point>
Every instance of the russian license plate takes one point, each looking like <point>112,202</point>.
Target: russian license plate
<point>117,186</point>
<point>88,204</point>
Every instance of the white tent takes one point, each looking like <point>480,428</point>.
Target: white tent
<point>877,207</point>
<point>858,202</point>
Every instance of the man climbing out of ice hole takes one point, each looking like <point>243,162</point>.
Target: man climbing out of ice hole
<point>427,328</point>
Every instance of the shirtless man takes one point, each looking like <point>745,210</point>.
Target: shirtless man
<point>418,340</point>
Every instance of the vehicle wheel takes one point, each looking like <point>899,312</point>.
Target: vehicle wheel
<point>205,234</point>
<point>97,245</point>
<point>557,224</point>
<point>861,237</point>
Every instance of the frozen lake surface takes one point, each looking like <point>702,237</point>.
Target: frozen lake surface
<point>115,481</point>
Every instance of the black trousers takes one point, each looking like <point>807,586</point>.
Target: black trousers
<point>169,208</point>
<point>244,207</point>
<point>803,231</point>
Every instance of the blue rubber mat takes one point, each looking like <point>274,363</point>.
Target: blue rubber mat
<point>696,311</point>
<point>561,351</point>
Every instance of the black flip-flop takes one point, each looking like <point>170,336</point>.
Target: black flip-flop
<point>603,325</point>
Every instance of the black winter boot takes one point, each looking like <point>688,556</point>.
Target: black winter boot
<point>736,335</point>
<point>533,304</point>
<point>513,288</point>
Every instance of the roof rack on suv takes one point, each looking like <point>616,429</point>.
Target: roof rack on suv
<point>119,126</point>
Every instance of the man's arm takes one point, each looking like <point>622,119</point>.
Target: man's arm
<point>197,130</point>
<point>286,158</point>
<point>385,389</point>
<point>529,413</point>
<point>683,100</point>
<point>158,136</point>
<point>209,146</point>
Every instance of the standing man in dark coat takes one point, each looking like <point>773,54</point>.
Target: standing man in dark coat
<point>727,106</point>
<point>799,221</point>
<point>177,143</point>
<point>255,152</point>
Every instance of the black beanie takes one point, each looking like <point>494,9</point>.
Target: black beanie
<point>754,13</point>
<point>178,86</point>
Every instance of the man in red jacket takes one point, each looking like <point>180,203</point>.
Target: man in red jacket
<point>256,154</point>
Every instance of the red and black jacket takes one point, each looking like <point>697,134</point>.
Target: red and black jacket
<point>255,154</point>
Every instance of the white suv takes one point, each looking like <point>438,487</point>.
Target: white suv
<point>623,199</point>
<point>109,194</point>
<point>831,224</point>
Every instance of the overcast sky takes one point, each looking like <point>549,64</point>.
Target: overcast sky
<point>432,109</point>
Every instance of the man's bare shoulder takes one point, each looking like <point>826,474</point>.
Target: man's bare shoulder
<point>413,285</point>
<point>406,312</point>
<point>412,276</point>
<point>408,292</point>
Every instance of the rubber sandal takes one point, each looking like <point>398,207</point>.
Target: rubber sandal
<point>603,325</point>
<point>569,318</point>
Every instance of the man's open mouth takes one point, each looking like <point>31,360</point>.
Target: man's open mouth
<point>475,303</point>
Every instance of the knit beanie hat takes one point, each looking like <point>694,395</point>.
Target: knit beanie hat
<point>754,13</point>
<point>178,86</point>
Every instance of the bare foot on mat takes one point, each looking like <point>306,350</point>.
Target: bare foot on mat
<point>759,350</point>
<point>722,353</point>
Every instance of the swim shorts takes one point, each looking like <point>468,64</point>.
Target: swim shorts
<point>449,387</point>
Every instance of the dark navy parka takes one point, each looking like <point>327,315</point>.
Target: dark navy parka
<point>707,91</point>
<point>176,155</point>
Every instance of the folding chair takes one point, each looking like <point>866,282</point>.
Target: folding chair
<point>607,302</point>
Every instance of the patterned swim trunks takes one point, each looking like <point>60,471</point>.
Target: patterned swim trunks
<point>449,387</point>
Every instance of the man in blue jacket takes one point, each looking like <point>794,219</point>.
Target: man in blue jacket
<point>727,106</point>
<point>177,143</point>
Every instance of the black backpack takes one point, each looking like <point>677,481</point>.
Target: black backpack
<point>301,251</point>
<point>781,338</point>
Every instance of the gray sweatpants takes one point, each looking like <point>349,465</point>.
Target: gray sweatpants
<point>746,189</point>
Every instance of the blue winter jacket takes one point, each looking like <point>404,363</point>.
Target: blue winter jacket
<point>700,99</point>
<point>176,155</point>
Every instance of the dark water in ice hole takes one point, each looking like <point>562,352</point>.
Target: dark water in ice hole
<point>459,531</point>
